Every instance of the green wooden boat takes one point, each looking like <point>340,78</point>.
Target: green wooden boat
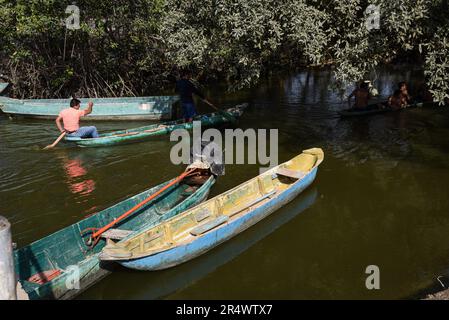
<point>147,132</point>
<point>46,269</point>
<point>126,108</point>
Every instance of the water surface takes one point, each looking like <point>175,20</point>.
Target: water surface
<point>380,198</point>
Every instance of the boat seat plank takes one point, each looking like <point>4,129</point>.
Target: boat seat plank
<point>116,234</point>
<point>290,173</point>
<point>209,226</point>
<point>252,203</point>
<point>202,214</point>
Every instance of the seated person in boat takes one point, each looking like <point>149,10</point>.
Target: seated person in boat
<point>361,95</point>
<point>403,87</point>
<point>71,118</point>
<point>397,101</point>
<point>185,88</point>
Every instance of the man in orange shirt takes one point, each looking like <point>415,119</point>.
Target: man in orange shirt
<point>71,118</point>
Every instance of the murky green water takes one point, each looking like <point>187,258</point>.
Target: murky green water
<point>380,198</point>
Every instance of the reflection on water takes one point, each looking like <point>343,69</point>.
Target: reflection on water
<point>76,174</point>
<point>382,196</point>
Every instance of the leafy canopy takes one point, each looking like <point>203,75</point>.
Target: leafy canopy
<point>134,47</point>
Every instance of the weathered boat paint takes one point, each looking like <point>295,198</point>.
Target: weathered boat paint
<point>167,252</point>
<point>126,108</point>
<point>65,249</point>
<point>171,280</point>
<point>144,133</point>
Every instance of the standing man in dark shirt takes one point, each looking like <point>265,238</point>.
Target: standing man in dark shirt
<point>186,89</point>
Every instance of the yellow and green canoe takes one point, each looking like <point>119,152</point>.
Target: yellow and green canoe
<point>200,229</point>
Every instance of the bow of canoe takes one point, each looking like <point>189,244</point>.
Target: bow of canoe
<point>211,223</point>
<point>44,267</point>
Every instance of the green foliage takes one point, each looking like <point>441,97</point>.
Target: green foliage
<point>105,57</point>
<point>241,39</point>
<point>437,65</point>
<point>133,47</point>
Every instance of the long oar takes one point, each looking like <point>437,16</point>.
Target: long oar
<point>56,141</point>
<point>97,232</point>
<point>227,115</point>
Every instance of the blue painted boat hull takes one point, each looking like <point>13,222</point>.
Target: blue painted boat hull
<point>126,108</point>
<point>161,284</point>
<point>191,250</point>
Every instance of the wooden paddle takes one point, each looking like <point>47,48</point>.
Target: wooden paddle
<point>227,115</point>
<point>56,141</point>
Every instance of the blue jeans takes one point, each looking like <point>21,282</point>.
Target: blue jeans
<point>188,110</point>
<point>85,132</point>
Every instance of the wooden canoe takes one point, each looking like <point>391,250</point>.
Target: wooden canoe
<point>44,267</point>
<point>379,108</point>
<point>211,223</point>
<point>126,108</point>
<point>144,133</point>
<point>162,284</point>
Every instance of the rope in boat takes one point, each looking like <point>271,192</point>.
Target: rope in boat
<point>97,232</point>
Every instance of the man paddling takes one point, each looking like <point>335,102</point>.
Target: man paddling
<point>186,89</point>
<point>71,118</point>
<point>361,95</point>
